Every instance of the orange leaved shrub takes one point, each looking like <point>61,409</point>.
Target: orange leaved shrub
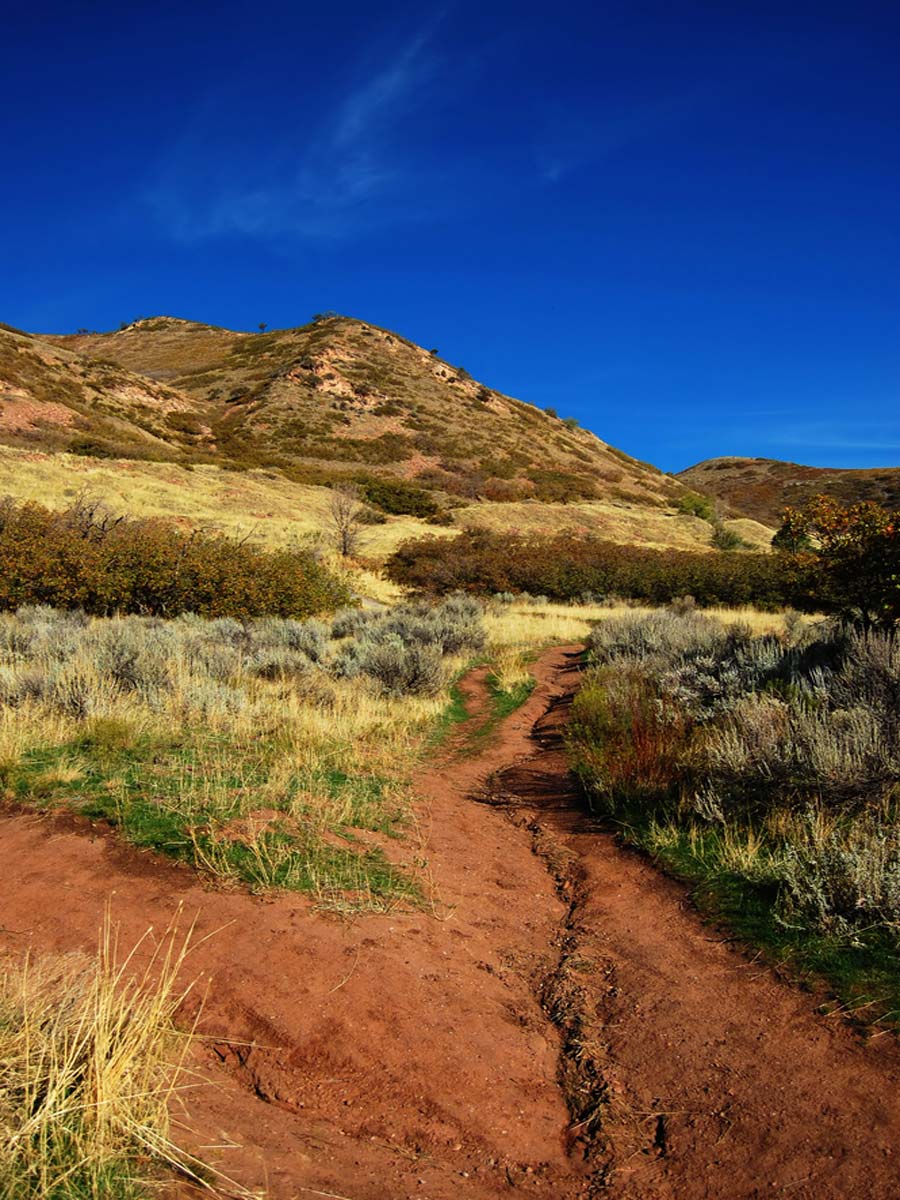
<point>567,566</point>
<point>84,558</point>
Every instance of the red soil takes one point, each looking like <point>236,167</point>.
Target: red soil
<point>414,1055</point>
<point>19,412</point>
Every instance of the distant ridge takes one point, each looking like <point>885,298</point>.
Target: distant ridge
<point>763,487</point>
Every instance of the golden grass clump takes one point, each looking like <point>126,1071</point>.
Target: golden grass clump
<point>91,1060</point>
<point>541,623</point>
<point>510,665</point>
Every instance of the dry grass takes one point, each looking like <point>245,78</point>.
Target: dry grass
<point>759,622</point>
<point>92,1061</point>
<point>365,581</point>
<point>731,847</point>
<point>262,504</point>
<point>527,624</point>
<point>626,522</point>
<point>523,624</point>
<point>275,512</point>
<point>29,725</point>
<point>510,666</point>
<point>191,742</point>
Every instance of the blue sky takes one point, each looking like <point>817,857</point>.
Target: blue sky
<point>678,222</point>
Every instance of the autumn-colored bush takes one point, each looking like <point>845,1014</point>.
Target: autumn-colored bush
<point>566,566</point>
<point>858,552</point>
<point>631,744</point>
<point>84,558</point>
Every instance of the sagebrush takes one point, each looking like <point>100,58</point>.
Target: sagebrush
<point>261,751</point>
<point>790,741</point>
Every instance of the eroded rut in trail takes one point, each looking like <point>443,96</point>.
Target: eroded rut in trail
<point>559,1024</point>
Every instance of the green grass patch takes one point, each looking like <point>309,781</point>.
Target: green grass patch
<point>474,733</point>
<point>504,702</point>
<point>454,715</point>
<point>226,809</point>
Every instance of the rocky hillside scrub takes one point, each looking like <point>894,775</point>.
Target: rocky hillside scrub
<point>763,488</point>
<point>333,400</point>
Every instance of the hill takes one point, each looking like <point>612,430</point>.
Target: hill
<point>249,428</point>
<point>762,488</point>
<point>54,399</point>
<point>339,393</point>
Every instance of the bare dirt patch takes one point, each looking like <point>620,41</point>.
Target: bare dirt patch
<point>399,1055</point>
<point>18,411</point>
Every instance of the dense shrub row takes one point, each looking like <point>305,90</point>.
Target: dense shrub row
<point>788,746</point>
<point>73,664</point>
<point>83,558</point>
<point>566,567</point>
<point>398,497</point>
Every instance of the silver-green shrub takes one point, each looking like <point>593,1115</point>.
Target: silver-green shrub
<point>80,666</point>
<point>398,667</point>
<point>846,882</point>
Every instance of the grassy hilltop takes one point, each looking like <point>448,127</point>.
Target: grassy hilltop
<point>246,432</point>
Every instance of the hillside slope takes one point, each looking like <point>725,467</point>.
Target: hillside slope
<point>337,395</point>
<point>247,430</point>
<point>54,399</point>
<point>763,487</point>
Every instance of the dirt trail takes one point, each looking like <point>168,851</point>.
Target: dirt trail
<point>718,1080</point>
<point>387,1057</point>
<point>414,1054</point>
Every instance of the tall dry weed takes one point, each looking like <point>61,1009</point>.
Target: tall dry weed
<point>92,1061</point>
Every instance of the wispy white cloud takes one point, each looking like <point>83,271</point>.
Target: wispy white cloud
<point>344,177</point>
<point>566,143</point>
<point>376,99</point>
<point>371,160</point>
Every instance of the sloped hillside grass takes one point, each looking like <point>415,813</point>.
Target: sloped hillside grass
<point>271,753</point>
<point>276,511</point>
<point>765,770</point>
<point>273,511</point>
